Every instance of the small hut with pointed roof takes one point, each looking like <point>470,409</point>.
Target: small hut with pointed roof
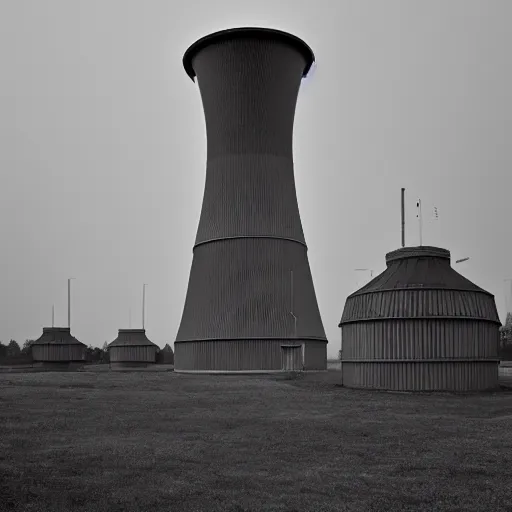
<point>132,349</point>
<point>58,349</point>
<point>420,326</point>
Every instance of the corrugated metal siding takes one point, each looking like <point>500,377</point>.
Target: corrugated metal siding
<point>414,376</point>
<point>240,288</point>
<point>144,354</point>
<point>420,339</point>
<point>249,91</point>
<point>417,302</point>
<point>377,348</point>
<point>58,352</point>
<point>243,355</point>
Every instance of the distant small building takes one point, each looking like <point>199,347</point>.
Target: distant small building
<point>58,349</point>
<point>420,326</point>
<point>132,349</point>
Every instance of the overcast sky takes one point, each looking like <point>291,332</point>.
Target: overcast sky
<point>103,149</point>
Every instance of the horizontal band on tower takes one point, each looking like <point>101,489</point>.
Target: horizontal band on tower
<point>253,338</point>
<point>249,236</point>
<point>416,288</point>
<point>422,317</point>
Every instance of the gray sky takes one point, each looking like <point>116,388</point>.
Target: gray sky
<point>103,150</point>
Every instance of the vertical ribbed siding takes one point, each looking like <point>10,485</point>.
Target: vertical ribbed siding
<point>142,354</point>
<point>249,89</point>
<point>242,289</point>
<point>421,376</point>
<point>244,355</point>
<point>420,339</point>
<point>292,357</point>
<point>452,355</point>
<point>250,234</point>
<point>58,352</point>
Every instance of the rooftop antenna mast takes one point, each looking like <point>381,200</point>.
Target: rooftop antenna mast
<point>508,298</point>
<point>403,217</point>
<point>143,305</point>
<point>69,302</point>
<point>420,221</point>
<point>53,315</point>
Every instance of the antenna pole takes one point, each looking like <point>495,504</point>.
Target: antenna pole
<point>420,222</point>
<point>291,305</point>
<point>69,303</point>
<point>53,315</point>
<point>143,305</point>
<point>403,217</point>
<point>508,297</point>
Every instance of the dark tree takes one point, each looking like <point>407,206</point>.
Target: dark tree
<point>13,349</point>
<point>166,355</point>
<point>105,356</point>
<point>506,339</point>
<point>27,347</point>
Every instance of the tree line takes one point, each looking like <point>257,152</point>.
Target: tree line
<point>13,353</point>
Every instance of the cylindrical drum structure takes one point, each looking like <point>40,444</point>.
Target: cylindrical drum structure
<point>132,349</point>
<point>57,349</point>
<point>420,326</point>
<point>250,288</point>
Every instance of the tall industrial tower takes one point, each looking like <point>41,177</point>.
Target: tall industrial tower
<point>250,289</point>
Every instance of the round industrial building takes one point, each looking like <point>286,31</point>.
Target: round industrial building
<point>57,349</point>
<point>132,349</point>
<point>420,326</point>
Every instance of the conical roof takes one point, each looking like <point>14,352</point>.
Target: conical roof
<point>432,287</point>
<point>133,338</point>
<point>57,336</point>
<point>419,267</point>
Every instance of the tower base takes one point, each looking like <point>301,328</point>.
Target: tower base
<point>244,355</point>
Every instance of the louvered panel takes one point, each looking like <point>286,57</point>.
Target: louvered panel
<point>58,352</point>
<point>418,303</point>
<point>143,354</point>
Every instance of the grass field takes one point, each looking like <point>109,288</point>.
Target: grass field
<point>158,441</point>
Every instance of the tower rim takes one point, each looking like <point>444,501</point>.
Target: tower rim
<point>246,32</point>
